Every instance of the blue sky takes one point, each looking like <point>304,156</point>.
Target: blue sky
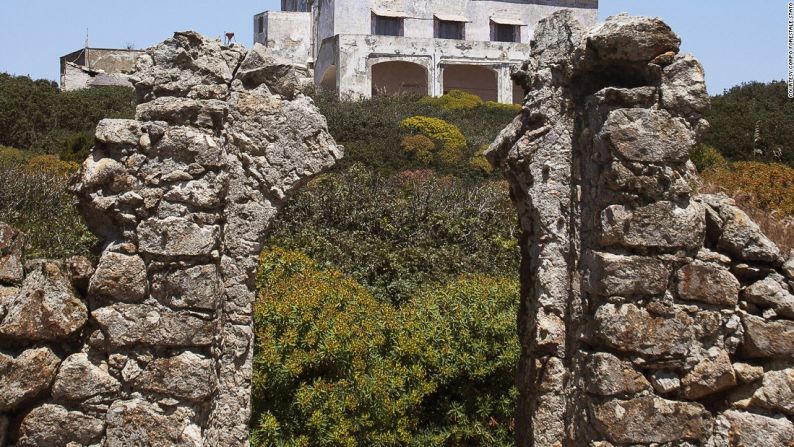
<point>737,40</point>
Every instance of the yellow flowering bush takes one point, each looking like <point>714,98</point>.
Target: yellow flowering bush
<point>453,100</point>
<point>333,366</point>
<point>770,185</point>
<point>447,138</point>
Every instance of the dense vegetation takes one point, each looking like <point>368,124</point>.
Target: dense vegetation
<point>753,122</point>
<point>37,116</point>
<point>335,366</point>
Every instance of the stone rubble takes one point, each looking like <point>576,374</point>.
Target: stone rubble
<point>153,345</point>
<point>674,313</point>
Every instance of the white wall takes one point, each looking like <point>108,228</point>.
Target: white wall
<point>354,16</point>
<point>287,33</point>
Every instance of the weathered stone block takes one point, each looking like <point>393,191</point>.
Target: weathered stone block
<point>767,339</point>
<point>137,422</point>
<point>46,308</point>
<point>647,136</point>
<point>684,87</point>
<point>192,288</point>
<point>631,329</point>
<point>707,283</point>
<point>661,225</point>
<point>713,374</point>
<point>618,275</point>
<point>771,292</point>
<point>12,246</point>
<point>776,392</point>
<point>743,239</point>
<point>119,132</point>
<point>652,419</point>
<point>176,236</point>
<point>185,376</point>
<point>748,429</point>
<point>607,375</point>
<point>747,373</point>
<point>78,379</point>
<point>23,378</point>
<point>625,38</point>
<point>53,425</point>
<point>144,325</point>
<point>119,277</point>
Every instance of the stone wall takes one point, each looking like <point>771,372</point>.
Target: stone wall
<point>153,346</point>
<point>650,315</point>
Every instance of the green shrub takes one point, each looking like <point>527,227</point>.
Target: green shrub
<point>705,157</point>
<point>33,198</point>
<point>436,129</point>
<point>418,147</point>
<point>333,366</point>
<point>395,233</point>
<point>454,100</point>
<point>480,163</point>
<point>449,141</point>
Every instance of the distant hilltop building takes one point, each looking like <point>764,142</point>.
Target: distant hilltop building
<point>359,48</point>
<point>97,67</point>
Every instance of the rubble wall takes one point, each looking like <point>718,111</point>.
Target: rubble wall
<point>650,314</point>
<point>153,345</point>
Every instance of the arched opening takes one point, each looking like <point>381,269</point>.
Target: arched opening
<point>480,81</point>
<point>399,78</point>
<point>518,93</point>
<point>329,79</point>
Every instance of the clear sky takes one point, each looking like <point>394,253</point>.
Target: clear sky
<point>737,40</point>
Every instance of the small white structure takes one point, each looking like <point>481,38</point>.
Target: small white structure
<point>359,48</point>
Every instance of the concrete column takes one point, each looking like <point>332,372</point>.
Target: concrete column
<point>505,85</point>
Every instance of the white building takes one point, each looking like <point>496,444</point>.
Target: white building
<point>363,47</point>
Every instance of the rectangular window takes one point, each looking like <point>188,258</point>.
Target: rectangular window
<point>295,5</point>
<point>447,29</point>
<point>387,26</point>
<point>260,24</point>
<point>505,33</point>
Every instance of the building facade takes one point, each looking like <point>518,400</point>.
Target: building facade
<point>359,48</point>
<point>96,67</point>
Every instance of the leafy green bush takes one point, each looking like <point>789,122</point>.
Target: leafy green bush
<point>333,366</point>
<point>33,198</point>
<point>396,233</point>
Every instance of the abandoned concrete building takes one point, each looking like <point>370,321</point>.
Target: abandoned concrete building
<point>97,67</point>
<point>360,48</point>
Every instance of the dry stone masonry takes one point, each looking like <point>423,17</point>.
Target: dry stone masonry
<point>153,346</point>
<point>650,315</point>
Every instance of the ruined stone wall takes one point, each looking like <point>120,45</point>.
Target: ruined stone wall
<point>650,315</point>
<point>153,346</point>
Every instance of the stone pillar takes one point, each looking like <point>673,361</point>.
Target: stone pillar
<point>646,309</point>
<point>155,346</point>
